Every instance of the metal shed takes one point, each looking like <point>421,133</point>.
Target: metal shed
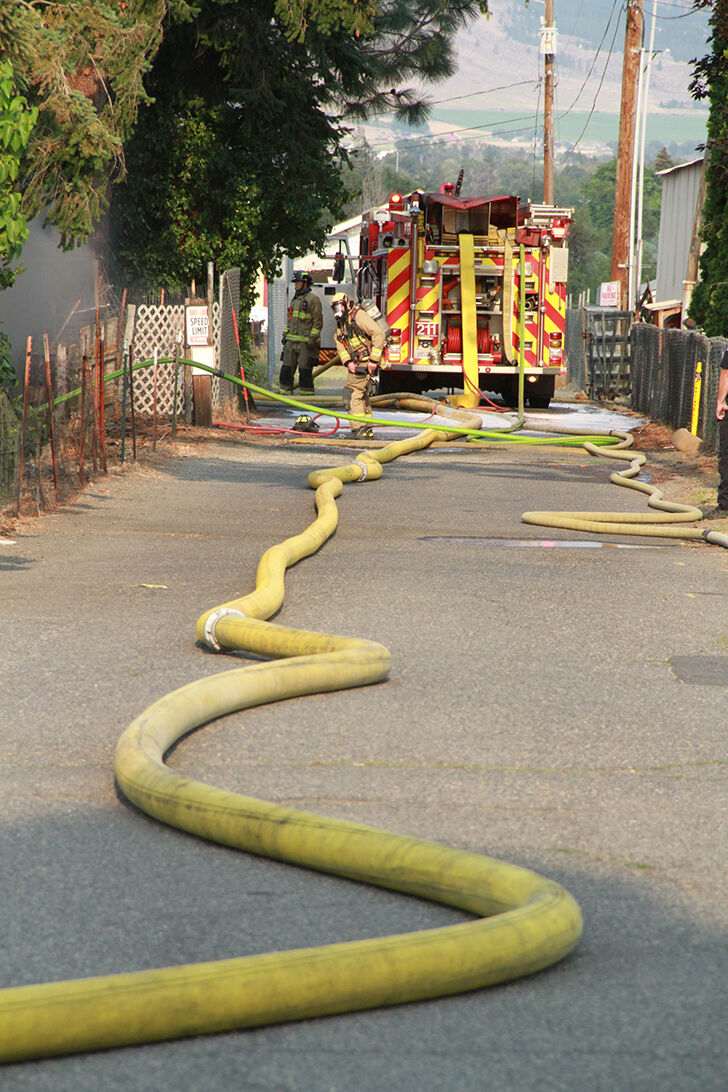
<point>680,191</point>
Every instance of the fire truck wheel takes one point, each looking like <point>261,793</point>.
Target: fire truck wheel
<point>509,392</point>
<point>387,384</point>
<point>540,393</point>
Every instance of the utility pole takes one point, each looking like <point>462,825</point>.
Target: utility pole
<point>547,46</point>
<point>625,150</point>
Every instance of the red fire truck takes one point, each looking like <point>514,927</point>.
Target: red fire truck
<point>470,288</point>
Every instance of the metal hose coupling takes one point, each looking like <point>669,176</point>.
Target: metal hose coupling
<point>715,538</point>
<point>364,469</point>
<point>208,633</point>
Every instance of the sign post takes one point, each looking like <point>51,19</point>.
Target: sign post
<point>609,294</point>
<point>198,339</point>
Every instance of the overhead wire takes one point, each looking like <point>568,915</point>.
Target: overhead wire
<point>594,61</point>
<point>417,143</point>
<point>486,91</point>
<point>596,94</point>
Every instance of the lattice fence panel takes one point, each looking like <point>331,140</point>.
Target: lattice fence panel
<point>144,389</point>
<point>163,328</point>
<point>159,328</point>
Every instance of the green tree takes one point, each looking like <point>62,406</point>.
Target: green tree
<point>16,122</point>
<point>709,304</point>
<point>81,66</point>
<point>239,156</point>
<point>592,232</point>
<point>663,160</point>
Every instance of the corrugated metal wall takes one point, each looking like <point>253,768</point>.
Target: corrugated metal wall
<point>680,187</point>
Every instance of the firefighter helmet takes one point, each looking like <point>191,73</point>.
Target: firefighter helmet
<point>301,275</point>
<point>340,305</point>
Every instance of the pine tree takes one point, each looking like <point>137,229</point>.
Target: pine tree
<point>239,156</point>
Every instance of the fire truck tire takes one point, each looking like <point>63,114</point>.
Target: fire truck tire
<point>509,392</point>
<point>541,392</point>
<point>393,382</point>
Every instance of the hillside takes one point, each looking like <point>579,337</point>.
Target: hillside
<point>496,87</point>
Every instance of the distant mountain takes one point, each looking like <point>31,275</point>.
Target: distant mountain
<point>497,89</point>
<point>504,48</point>
<point>677,28</point>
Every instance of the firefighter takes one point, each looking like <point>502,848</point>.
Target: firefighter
<point>360,343</point>
<point>301,336</point>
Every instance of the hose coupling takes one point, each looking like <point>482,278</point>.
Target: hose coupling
<point>715,538</point>
<point>210,623</point>
<point>364,469</point>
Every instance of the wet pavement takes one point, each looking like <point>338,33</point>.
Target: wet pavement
<point>389,424</point>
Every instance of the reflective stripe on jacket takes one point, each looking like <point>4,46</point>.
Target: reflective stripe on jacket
<point>305,318</point>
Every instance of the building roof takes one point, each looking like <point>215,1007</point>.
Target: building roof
<point>679,166</point>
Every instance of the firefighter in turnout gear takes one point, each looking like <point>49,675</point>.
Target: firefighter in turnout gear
<point>360,343</point>
<point>301,336</point>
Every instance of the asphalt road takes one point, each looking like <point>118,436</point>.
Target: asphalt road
<point>558,706</point>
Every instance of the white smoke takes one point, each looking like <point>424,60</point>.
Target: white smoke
<point>44,296</point>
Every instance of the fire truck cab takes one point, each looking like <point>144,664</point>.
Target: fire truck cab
<point>469,287</point>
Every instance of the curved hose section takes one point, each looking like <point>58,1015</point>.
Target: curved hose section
<point>524,921</point>
<point>652,524</point>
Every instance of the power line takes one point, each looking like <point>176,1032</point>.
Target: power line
<point>596,95</point>
<point>596,55</point>
<point>671,18</point>
<point>405,141</point>
<point>441,138</point>
<point>487,91</point>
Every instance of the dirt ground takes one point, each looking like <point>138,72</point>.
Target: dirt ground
<point>691,478</point>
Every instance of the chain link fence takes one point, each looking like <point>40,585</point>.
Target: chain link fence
<point>664,368</point>
<point>225,394</point>
<point>654,367</point>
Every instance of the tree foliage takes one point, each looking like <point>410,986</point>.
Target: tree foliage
<point>709,304</point>
<point>16,123</point>
<point>81,66</point>
<point>238,157</point>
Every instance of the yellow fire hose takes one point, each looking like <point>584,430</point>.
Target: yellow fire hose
<point>629,523</point>
<point>523,924</point>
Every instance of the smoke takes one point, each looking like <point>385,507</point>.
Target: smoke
<point>44,296</point>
